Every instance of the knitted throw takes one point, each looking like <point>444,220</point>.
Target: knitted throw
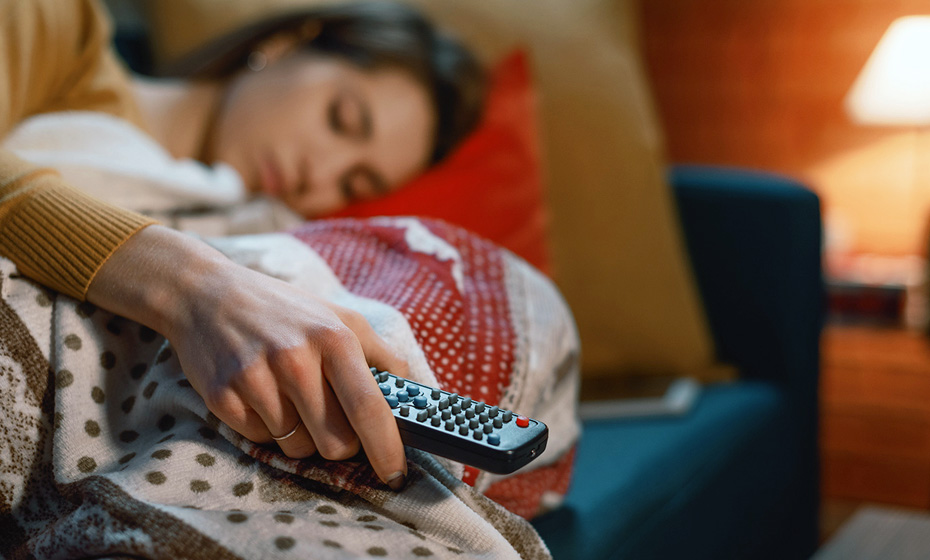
<point>105,449</point>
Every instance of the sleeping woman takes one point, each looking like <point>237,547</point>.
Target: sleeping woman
<point>318,110</point>
<point>341,103</point>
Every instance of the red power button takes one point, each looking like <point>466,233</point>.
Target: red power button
<point>523,421</point>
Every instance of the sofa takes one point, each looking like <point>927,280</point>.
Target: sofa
<point>692,269</point>
<point>737,476</point>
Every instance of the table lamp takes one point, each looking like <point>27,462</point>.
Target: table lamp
<point>893,87</point>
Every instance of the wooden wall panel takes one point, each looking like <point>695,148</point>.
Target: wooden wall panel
<point>761,83</point>
<point>875,415</point>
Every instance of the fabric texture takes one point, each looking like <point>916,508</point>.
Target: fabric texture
<point>616,246</point>
<point>111,159</point>
<point>112,452</point>
<point>700,477</point>
<point>55,56</point>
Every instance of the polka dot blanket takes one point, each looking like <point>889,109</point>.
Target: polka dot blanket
<point>106,450</point>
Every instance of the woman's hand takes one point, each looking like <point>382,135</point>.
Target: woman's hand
<point>264,355</point>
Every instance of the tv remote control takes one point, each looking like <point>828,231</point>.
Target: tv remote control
<point>459,428</point>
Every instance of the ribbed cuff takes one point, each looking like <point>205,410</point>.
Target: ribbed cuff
<point>60,237</point>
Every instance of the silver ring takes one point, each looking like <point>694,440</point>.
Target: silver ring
<point>289,434</point>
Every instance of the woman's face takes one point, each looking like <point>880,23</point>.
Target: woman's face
<point>319,132</point>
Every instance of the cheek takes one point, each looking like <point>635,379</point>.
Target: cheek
<point>256,110</point>
<point>234,117</point>
<point>326,196</point>
<point>316,205</point>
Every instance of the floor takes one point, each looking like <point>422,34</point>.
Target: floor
<point>880,533</point>
<point>875,427</point>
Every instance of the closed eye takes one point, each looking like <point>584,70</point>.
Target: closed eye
<point>350,115</point>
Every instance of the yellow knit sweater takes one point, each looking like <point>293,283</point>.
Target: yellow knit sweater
<point>55,56</point>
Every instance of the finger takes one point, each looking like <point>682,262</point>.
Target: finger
<point>277,413</point>
<point>347,372</point>
<point>377,352</point>
<point>298,444</point>
<point>229,407</point>
<point>317,406</point>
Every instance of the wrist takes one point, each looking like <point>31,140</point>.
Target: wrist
<point>154,276</point>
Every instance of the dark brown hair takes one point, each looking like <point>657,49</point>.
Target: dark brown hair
<point>370,35</point>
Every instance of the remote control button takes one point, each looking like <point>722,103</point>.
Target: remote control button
<point>399,382</point>
<point>413,390</point>
<point>374,370</point>
<point>479,407</point>
<point>383,376</point>
<point>421,416</point>
<point>443,403</point>
<point>523,421</point>
<point>431,409</point>
<point>435,421</point>
<point>492,412</point>
<point>483,417</point>
<point>494,439</point>
<point>446,414</point>
<point>488,428</point>
<point>477,435</point>
<point>450,425</point>
<point>466,402</point>
<point>456,408</point>
<point>460,419</point>
<point>470,413</point>
<point>392,400</point>
<point>435,394</point>
<point>473,423</point>
<point>404,411</point>
<point>454,398</point>
<point>498,422</point>
<point>402,396</point>
<point>385,388</point>
<point>508,416</point>
<point>419,401</point>
<point>463,430</point>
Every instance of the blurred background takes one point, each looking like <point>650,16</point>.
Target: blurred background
<point>765,84</point>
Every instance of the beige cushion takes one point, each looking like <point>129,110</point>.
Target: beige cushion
<point>616,242</point>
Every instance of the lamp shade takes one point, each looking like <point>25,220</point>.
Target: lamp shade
<point>893,87</point>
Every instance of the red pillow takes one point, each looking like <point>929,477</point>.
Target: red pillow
<point>492,184</point>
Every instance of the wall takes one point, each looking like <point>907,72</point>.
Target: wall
<point>761,83</point>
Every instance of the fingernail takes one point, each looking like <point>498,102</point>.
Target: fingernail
<point>396,481</point>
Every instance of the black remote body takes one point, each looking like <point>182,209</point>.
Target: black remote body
<point>459,428</point>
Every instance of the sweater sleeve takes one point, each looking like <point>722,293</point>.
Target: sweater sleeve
<point>54,233</point>
<point>54,56</point>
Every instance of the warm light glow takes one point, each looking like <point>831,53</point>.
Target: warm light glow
<point>894,86</point>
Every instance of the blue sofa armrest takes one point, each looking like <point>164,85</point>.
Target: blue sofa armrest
<point>736,477</point>
<point>754,241</point>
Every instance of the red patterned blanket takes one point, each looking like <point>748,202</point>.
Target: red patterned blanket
<point>107,450</point>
